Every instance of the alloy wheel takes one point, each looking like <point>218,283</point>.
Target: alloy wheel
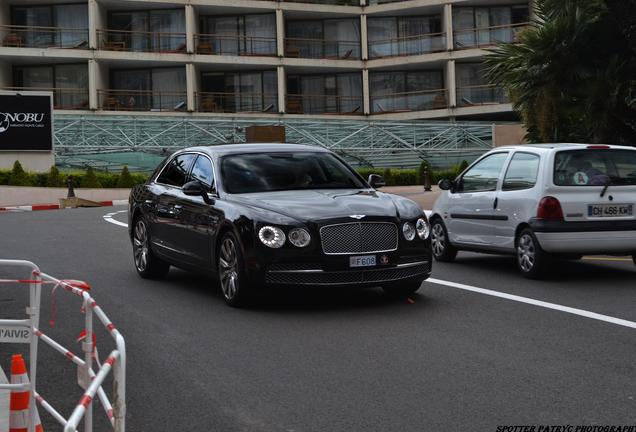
<point>228,269</point>
<point>140,242</point>
<point>526,253</point>
<point>438,239</point>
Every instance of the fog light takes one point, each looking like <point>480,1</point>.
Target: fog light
<point>272,237</point>
<point>408,230</point>
<point>299,237</point>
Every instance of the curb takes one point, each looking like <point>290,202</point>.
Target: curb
<point>39,207</point>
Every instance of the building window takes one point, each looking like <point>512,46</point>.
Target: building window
<point>399,36</point>
<point>145,31</point>
<point>331,39</point>
<point>485,26</point>
<point>239,92</point>
<point>407,91</point>
<point>473,88</point>
<point>69,83</point>
<point>157,89</point>
<point>64,26</point>
<point>238,35</point>
<point>320,94</point>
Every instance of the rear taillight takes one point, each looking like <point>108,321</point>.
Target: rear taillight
<point>550,208</point>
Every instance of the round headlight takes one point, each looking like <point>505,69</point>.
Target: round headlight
<point>271,236</point>
<point>299,237</point>
<point>409,231</point>
<point>423,229</point>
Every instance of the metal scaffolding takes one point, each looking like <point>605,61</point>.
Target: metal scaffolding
<point>365,142</point>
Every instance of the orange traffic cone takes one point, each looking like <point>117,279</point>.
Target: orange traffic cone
<point>19,402</point>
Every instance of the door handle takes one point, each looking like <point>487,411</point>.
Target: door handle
<point>177,207</point>
<point>494,205</point>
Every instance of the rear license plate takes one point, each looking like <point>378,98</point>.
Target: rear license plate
<point>362,261</point>
<point>610,210</point>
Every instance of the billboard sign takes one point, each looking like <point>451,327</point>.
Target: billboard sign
<point>26,121</point>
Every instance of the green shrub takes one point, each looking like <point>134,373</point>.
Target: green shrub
<point>125,180</point>
<point>18,176</point>
<point>90,179</point>
<point>54,178</point>
<point>463,165</point>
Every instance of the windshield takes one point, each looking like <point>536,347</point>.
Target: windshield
<point>265,172</point>
<point>598,167</point>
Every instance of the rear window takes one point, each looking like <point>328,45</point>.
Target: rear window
<point>596,167</point>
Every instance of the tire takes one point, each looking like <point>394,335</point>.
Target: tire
<point>231,271</point>
<point>148,266</point>
<point>402,289</point>
<point>442,249</point>
<point>532,261</point>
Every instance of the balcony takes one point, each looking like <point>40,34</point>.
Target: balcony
<point>63,98</point>
<point>322,49</point>
<point>324,104</point>
<point>487,36</point>
<point>410,101</point>
<point>218,44</point>
<point>407,46</point>
<point>488,94</point>
<point>327,2</point>
<point>237,102</point>
<point>142,100</point>
<point>43,37</point>
<point>137,41</point>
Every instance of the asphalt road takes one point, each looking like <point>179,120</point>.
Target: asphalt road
<point>331,360</point>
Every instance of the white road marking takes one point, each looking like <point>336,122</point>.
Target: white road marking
<point>553,306</point>
<point>109,218</point>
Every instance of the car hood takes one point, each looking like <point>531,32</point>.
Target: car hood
<point>321,204</point>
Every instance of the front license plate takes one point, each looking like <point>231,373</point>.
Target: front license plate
<point>610,210</point>
<point>362,261</point>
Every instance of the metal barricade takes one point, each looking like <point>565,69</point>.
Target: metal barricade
<point>28,331</point>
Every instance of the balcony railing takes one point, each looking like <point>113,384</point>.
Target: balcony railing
<point>327,2</point>
<point>407,46</point>
<point>43,37</point>
<point>124,40</point>
<point>63,98</point>
<point>322,49</point>
<point>487,36</point>
<point>237,102</point>
<point>409,101</point>
<point>142,100</point>
<point>481,95</point>
<point>218,44</point>
<point>324,104</point>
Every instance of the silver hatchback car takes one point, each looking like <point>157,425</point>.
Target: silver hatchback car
<point>540,202</point>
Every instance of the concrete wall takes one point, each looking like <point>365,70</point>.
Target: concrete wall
<point>20,195</point>
<point>31,161</point>
<point>509,134</point>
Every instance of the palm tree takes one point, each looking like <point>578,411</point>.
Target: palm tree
<point>571,75</point>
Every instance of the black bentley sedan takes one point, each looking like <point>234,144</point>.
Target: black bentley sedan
<point>276,214</point>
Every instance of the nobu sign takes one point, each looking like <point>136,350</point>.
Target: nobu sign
<point>25,122</point>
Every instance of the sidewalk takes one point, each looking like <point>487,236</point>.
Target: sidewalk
<point>4,404</point>
<point>29,196</point>
<point>426,200</point>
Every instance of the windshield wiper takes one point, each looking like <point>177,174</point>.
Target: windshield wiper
<point>607,185</point>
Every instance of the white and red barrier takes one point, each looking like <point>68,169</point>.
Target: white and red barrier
<point>30,333</point>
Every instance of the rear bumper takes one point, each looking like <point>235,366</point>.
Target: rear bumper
<point>549,226</point>
<point>588,242</point>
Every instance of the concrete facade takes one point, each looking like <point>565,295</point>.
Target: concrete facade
<point>101,61</point>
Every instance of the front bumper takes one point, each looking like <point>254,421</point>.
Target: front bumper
<point>412,271</point>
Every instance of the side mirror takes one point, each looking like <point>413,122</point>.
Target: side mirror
<point>195,188</point>
<point>445,184</point>
<point>376,181</point>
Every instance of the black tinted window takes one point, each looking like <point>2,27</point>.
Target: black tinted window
<point>202,171</point>
<point>483,176</point>
<point>522,172</point>
<point>176,172</point>
<point>595,167</point>
<point>260,172</point>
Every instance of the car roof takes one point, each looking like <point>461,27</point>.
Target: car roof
<point>226,149</point>
<point>557,146</point>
